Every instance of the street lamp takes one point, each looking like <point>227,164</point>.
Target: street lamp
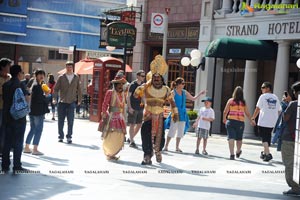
<point>195,61</point>
<point>298,63</point>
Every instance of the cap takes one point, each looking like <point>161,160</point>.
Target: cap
<point>207,99</point>
<point>69,62</point>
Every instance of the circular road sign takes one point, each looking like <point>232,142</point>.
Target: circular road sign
<point>158,19</point>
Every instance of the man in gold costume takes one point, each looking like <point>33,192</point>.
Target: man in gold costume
<point>155,94</point>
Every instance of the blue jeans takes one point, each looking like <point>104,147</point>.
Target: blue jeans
<point>36,129</point>
<point>63,110</point>
<point>14,138</point>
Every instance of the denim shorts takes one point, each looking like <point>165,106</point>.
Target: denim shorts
<point>235,129</point>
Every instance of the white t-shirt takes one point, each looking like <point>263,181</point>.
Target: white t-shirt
<point>208,113</point>
<point>70,77</point>
<point>269,106</point>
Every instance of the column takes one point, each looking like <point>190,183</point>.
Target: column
<point>282,68</point>
<point>139,49</point>
<point>216,125</point>
<point>226,6</point>
<point>250,86</point>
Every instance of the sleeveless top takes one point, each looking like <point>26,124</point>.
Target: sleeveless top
<point>236,111</point>
<point>180,101</point>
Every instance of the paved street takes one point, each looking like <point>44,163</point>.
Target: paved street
<point>80,171</point>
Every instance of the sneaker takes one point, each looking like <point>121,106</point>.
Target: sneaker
<point>60,140</point>
<point>262,155</point>
<point>268,158</point>
<point>147,161</point>
<point>204,153</point>
<point>291,193</point>
<point>69,140</point>
<point>238,154</point>
<point>197,151</point>
<point>4,170</point>
<point>53,118</point>
<point>232,157</point>
<point>133,145</point>
<point>128,141</point>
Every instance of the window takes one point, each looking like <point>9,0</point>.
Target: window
<point>55,55</point>
<point>187,73</point>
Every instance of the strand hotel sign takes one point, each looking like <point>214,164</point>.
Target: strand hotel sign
<point>289,29</point>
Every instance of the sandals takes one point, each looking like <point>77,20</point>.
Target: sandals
<point>179,150</point>
<point>27,151</point>
<point>37,153</point>
<point>112,158</point>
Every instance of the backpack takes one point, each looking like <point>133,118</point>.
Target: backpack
<point>19,107</point>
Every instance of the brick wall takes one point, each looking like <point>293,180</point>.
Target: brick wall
<point>181,11</point>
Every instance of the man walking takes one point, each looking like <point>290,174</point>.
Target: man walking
<point>15,129</point>
<point>135,108</point>
<point>5,65</point>
<point>288,142</point>
<point>69,90</point>
<point>268,108</point>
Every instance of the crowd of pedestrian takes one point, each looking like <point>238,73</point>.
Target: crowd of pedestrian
<point>145,113</point>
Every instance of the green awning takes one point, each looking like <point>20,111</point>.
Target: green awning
<point>241,49</point>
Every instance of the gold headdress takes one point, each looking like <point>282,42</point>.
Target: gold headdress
<point>159,65</point>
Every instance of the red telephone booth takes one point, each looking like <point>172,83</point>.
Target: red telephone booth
<point>104,71</point>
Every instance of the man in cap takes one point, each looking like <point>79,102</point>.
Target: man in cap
<point>268,108</point>
<point>69,90</point>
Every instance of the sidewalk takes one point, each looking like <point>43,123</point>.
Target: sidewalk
<point>80,171</point>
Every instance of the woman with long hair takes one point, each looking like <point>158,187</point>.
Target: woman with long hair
<point>180,96</point>
<point>51,84</point>
<point>234,120</point>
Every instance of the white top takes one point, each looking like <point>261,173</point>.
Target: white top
<point>208,113</point>
<point>70,77</point>
<point>269,106</point>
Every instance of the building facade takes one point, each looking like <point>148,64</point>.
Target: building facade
<point>33,31</point>
<point>183,35</point>
<point>273,22</point>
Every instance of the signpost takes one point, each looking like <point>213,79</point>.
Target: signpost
<point>121,35</point>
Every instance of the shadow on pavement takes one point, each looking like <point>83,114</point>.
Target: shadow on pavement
<point>134,164</point>
<point>54,161</point>
<point>93,147</point>
<point>33,186</point>
<point>206,189</point>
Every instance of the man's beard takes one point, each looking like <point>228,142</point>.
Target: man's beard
<point>157,86</point>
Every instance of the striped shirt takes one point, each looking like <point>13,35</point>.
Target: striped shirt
<point>236,111</point>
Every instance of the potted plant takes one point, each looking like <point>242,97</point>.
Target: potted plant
<point>192,117</point>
